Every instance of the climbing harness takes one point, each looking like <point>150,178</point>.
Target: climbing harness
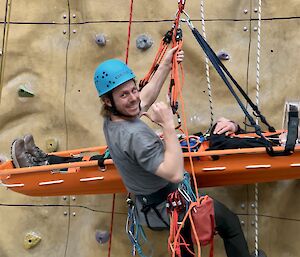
<point>152,207</point>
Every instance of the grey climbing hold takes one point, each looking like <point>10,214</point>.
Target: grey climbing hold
<point>3,158</point>
<point>31,239</point>
<point>144,42</point>
<point>24,91</point>
<point>100,39</point>
<point>102,236</point>
<point>222,55</point>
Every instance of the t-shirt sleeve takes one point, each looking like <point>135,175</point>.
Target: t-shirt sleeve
<point>147,150</point>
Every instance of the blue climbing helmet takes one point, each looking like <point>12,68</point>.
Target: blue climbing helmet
<point>111,74</point>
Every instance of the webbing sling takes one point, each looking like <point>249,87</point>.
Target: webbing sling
<point>220,68</point>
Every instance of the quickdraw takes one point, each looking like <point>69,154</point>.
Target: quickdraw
<point>134,230</point>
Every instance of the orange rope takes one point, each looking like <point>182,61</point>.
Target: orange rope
<point>175,91</point>
<point>163,46</point>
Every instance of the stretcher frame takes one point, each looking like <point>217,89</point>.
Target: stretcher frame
<point>232,167</point>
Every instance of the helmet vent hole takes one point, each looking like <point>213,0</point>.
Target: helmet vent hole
<point>103,77</point>
<point>106,74</point>
<point>107,85</point>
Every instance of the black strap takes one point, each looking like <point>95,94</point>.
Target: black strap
<point>158,196</point>
<point>293,125</point>
<point>221,69</point>
<point>146,209</point>
<point>292,136</point>
<point>151,201</point>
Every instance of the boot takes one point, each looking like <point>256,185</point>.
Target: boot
<point>20,157</point>
<point>33,149</point>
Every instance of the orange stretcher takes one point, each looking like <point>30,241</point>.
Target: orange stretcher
<point>237,166</point>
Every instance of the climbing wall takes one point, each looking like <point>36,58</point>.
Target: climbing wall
<point>50,55</point>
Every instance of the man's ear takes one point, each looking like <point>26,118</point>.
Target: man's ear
<point>107,101</point>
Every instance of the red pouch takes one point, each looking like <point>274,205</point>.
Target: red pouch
<point>202,216</point>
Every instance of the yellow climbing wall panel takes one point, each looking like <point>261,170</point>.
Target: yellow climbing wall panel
<point>51,51</point>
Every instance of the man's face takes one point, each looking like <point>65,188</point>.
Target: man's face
<point>127,99</point>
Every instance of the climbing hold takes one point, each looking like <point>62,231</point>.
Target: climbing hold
<point>51,145</point>
<point>25,91</point>
<point>3,159</point>
<point>144,42</point>
<point>100,39</point>
<point>31,239</point>
<point>222,55</point>
<point>102,236</point>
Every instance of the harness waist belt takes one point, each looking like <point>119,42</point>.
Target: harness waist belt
<point>158,196</point>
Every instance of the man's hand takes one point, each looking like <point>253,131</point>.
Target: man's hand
<point>169,56</point>
<point>161,114</point>
<point>225,126</point>
<point>151,91</point>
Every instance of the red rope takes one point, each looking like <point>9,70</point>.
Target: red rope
<point>114,196</point>
<point>111,224</point>
<point>129,31</point>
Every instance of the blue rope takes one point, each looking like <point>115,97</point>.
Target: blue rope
<point>186,190</point>
<point>135,232</point>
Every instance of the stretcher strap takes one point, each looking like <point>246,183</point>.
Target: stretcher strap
<point>293,125</point>
<point>292,135</point>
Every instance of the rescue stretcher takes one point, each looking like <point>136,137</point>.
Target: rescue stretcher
<point>233,167</point>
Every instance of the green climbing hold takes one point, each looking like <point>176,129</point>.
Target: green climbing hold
<point>24,91</point>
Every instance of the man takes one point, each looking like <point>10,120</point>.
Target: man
<point>151,169</point>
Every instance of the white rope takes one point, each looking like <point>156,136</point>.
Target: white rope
<point>258,55</point>
<point>207,67</point>
<point>257,103</point>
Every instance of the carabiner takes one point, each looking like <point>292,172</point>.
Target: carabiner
<point>187,20</point>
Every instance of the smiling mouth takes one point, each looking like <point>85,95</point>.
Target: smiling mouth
<point>134,107</point>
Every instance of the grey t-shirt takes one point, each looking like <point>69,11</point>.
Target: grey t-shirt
<point>137,152</point>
